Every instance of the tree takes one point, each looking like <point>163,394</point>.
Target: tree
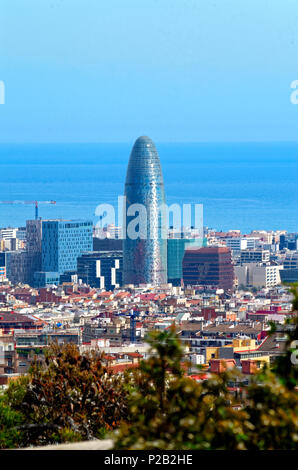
<point>285,366</point>
<point>168,410</point>
<point>10,435</point>
<point>69,398</point>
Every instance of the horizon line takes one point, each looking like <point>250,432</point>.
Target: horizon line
<point>156,141</point>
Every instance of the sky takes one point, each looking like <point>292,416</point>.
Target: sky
<point>176,70</point>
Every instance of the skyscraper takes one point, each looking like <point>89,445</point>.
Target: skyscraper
<point>62,242</point>
<point>176,250</point>
<point>33,248</point>
<point>144,228</point>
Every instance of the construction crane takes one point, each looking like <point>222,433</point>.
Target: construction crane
<point>36,203</point>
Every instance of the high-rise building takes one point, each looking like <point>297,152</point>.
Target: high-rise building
<point>210,266</point>
<point>62,242</point>
<point>176,250</point>
<point>102,269</point>
<point>16,264</point>
<point>144,253</point>
<point>33,248</point>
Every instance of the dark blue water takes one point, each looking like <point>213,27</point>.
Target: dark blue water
<point>242,186</point>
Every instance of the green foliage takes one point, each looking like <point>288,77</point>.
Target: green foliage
<point>168,410</point>
<point>66,435</point>
<point>171,411</point>
<point>71,396</point>
<point>10,436</point>
<point>294,291</point>
<point>273,410</point>
<point>285,367</point>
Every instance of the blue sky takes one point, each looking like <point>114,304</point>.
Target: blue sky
<point>177,70</point>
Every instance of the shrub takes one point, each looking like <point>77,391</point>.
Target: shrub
<point>70,397</point>
<point>168,410</point>
<point>10,436</point>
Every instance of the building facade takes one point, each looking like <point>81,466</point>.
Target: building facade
<point>33,248</point>
<point>102,269</point>
<point>258,275</point>
<point>43,279</point>
<point>62,242</point>
<point>176,250</point>
<point>254,256</point>
<point>210,266</point>
<point>144,253</point>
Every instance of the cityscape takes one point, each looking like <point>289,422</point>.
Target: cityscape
<point>100,288</point>
<point>142,326</point>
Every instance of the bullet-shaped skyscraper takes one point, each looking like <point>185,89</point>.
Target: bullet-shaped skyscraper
<point>145,227</point>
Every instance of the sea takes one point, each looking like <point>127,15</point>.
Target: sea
<point>242,186</point>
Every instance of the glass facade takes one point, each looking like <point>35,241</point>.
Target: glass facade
<point>176,249</point>
<point>33,248</point>
<point>102,269</point>
<point>45,279</point>
<point>62,242</point>
<point>145,257</point>
<point>210,266</point>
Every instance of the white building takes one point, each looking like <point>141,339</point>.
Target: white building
<point>236,244</point>
<point>255,275</point>
<point>8,233</point>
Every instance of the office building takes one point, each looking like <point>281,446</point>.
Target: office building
<point>254,256</point>
<point>210,266</point>
<point>44,279</point>
<point>145,252</point>
<point>176,250</point>
<point>258,275</point>
<point>62,242</point>
<point>291,260</point>
<point>107,244</point>
<point>33,248</point>
<point>288,275</point>
<point>102,269</point>
<point>238,244</point>
<point>288,241</point>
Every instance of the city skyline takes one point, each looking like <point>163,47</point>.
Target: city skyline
<point>148,227</point>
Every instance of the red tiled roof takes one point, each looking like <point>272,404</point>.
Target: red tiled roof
<point>109,358</point>
<point>105,294</point>
<point>199,377</point>
<point>133,354</point>
<point>122,367</point>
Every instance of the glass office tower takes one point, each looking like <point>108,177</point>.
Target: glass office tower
<point>176,250</point>
<point>145,224</point>
<point>62,242</point>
